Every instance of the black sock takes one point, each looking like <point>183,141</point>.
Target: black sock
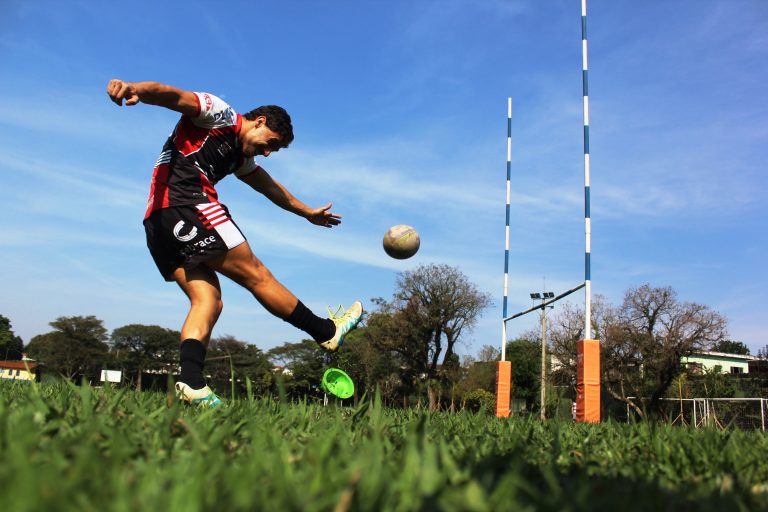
<point>192,358</point>
<point>321,329</point>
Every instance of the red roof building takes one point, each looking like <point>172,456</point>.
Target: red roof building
<point>26,370</point>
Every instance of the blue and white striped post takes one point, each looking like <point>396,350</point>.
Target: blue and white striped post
<point>506,237</point>
<point>587,217</point>
<point>588,349</point>
<point>504,367</point>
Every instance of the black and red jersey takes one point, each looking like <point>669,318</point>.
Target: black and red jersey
<point>201,151</point>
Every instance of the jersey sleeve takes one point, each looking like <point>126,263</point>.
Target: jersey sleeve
<point>214,112</point>
<point>249,165</point>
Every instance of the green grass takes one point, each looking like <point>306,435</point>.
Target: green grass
<point>65,447</point>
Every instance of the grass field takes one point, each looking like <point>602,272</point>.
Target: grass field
<point>65,447</point>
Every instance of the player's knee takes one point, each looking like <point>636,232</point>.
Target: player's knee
<point>210,306</point>
<point>215,307</point>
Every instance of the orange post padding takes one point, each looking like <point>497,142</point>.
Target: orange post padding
<point>503,388</point>
<point>588,381</point>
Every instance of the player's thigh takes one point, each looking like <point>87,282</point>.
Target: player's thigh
<point>241,265</point>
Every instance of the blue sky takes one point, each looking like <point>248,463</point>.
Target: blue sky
<point>399,110</point>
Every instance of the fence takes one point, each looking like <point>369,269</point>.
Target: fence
<point>744,413</point>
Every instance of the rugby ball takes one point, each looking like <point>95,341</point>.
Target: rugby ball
<point>401,241</point>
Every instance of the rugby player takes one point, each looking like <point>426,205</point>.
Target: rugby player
<point>192,236</point>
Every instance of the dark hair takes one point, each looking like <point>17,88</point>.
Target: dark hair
<point>278,121</point>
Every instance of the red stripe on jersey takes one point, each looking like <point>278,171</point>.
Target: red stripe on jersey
<point>223,130</point>
<point>188,137</point>
<point>213,196</point>
<point>158,190</point>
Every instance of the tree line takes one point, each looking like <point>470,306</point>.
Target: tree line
<point>642,344</point>
<point>406,348</point>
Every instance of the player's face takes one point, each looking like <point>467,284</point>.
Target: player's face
<point>259,140</point>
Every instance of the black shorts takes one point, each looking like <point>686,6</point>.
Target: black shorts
<point>186,236</point>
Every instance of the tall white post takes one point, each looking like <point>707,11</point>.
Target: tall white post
<point>506,234</point>
<point>587,215</point>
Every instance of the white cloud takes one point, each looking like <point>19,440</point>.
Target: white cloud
<point>97,186</point>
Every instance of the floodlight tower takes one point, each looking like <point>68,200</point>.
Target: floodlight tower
<point>543,297</point>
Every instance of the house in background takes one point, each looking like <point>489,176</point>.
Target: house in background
<point>24,370</point>
<point>711,361</point>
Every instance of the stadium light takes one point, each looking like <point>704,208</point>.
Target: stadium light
<point>543,296</point>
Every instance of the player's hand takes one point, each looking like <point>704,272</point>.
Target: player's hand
<point>323,217</point>
<point>119,90</point>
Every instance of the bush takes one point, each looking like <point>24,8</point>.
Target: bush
<point>478,399</point>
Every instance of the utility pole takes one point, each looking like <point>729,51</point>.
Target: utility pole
<point>543,296</point>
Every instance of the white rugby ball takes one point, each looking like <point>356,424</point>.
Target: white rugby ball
<point>401,241</point>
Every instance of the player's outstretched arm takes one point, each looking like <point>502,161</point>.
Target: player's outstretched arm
<point>153,93</point>
<point>262,182</point>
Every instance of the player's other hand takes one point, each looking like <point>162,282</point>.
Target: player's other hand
<point>119,90</point>
<point>323,216</point>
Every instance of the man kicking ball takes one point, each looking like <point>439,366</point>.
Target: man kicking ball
<point>192,236</point>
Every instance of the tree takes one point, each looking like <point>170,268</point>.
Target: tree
<point>227,356</point>
<point>452,373</point>
<point>566,328</point>
<point>705,383</point>
<point>369,366</point>
<point>480,371</point>
<point>479,377</point>
<point>433,305</point>
<point>731,347</point>
<point>525,354</point>
<point>138,348</point>
<point>305,363</point>
<point>76,348</point>
<point>658,330</point>
<point>642,342</point>
<point>11,346</point>
<point>399,335</point>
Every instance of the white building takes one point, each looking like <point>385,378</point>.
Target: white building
<point>711,361</point>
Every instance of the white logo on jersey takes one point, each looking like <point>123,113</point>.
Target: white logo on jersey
<point>227,116</point>
<point>183,238</point>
